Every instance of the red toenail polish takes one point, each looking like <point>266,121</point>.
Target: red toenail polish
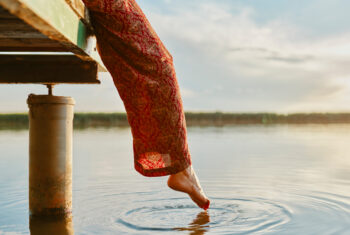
<point>206,206</point>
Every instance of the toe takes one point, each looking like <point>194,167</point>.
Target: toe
<point>206,205</point>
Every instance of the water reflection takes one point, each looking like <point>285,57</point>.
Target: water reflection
<point>199,225</point>
<point>56,226</point>
<point>261,179</point>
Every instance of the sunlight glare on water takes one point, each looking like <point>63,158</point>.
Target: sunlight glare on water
<point>278,179</point>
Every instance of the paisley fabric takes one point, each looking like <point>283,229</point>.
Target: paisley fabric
<point>144,75</point>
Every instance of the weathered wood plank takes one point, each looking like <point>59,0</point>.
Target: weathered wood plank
<point>34,44</point>
<point>15,28</point>
<point>53,18</point>
<point>57,20</point>
<point>77,6</point>
<point>16,35</point>
<point>4,14</point>
<point>29,68</point>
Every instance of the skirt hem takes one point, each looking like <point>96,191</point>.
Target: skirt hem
<point>161,172</point>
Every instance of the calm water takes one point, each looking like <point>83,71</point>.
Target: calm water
<point>261,180</point>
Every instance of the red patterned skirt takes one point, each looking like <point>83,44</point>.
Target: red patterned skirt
<point>143,73</point>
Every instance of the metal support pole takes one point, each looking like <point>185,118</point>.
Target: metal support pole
<point>50,155</point>
<point>49,87</point>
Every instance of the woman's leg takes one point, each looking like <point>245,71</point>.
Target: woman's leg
<point>144,75</point>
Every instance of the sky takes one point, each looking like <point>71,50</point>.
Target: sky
<point>237,56</point>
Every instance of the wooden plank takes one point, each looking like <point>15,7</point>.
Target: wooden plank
<point>16,35</point>
<point>57,20</point>
<point>34,44</point>
<point>4,14</point>
<point>29,68</point>
<point>77,6</point>
<point>15,28</point>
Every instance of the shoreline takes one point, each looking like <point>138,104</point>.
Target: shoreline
<point>87,120</point>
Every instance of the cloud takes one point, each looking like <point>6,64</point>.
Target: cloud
<point>260,67</point>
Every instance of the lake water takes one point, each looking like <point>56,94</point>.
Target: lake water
<point>278,179</point>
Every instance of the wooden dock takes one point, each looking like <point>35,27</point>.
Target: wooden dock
<point>58,32</point>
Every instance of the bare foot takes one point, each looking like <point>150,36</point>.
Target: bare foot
<point>186,181</point>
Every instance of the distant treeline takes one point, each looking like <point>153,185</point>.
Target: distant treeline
<point>85,120</point>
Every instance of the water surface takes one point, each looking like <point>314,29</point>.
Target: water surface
<point>278,179</point>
